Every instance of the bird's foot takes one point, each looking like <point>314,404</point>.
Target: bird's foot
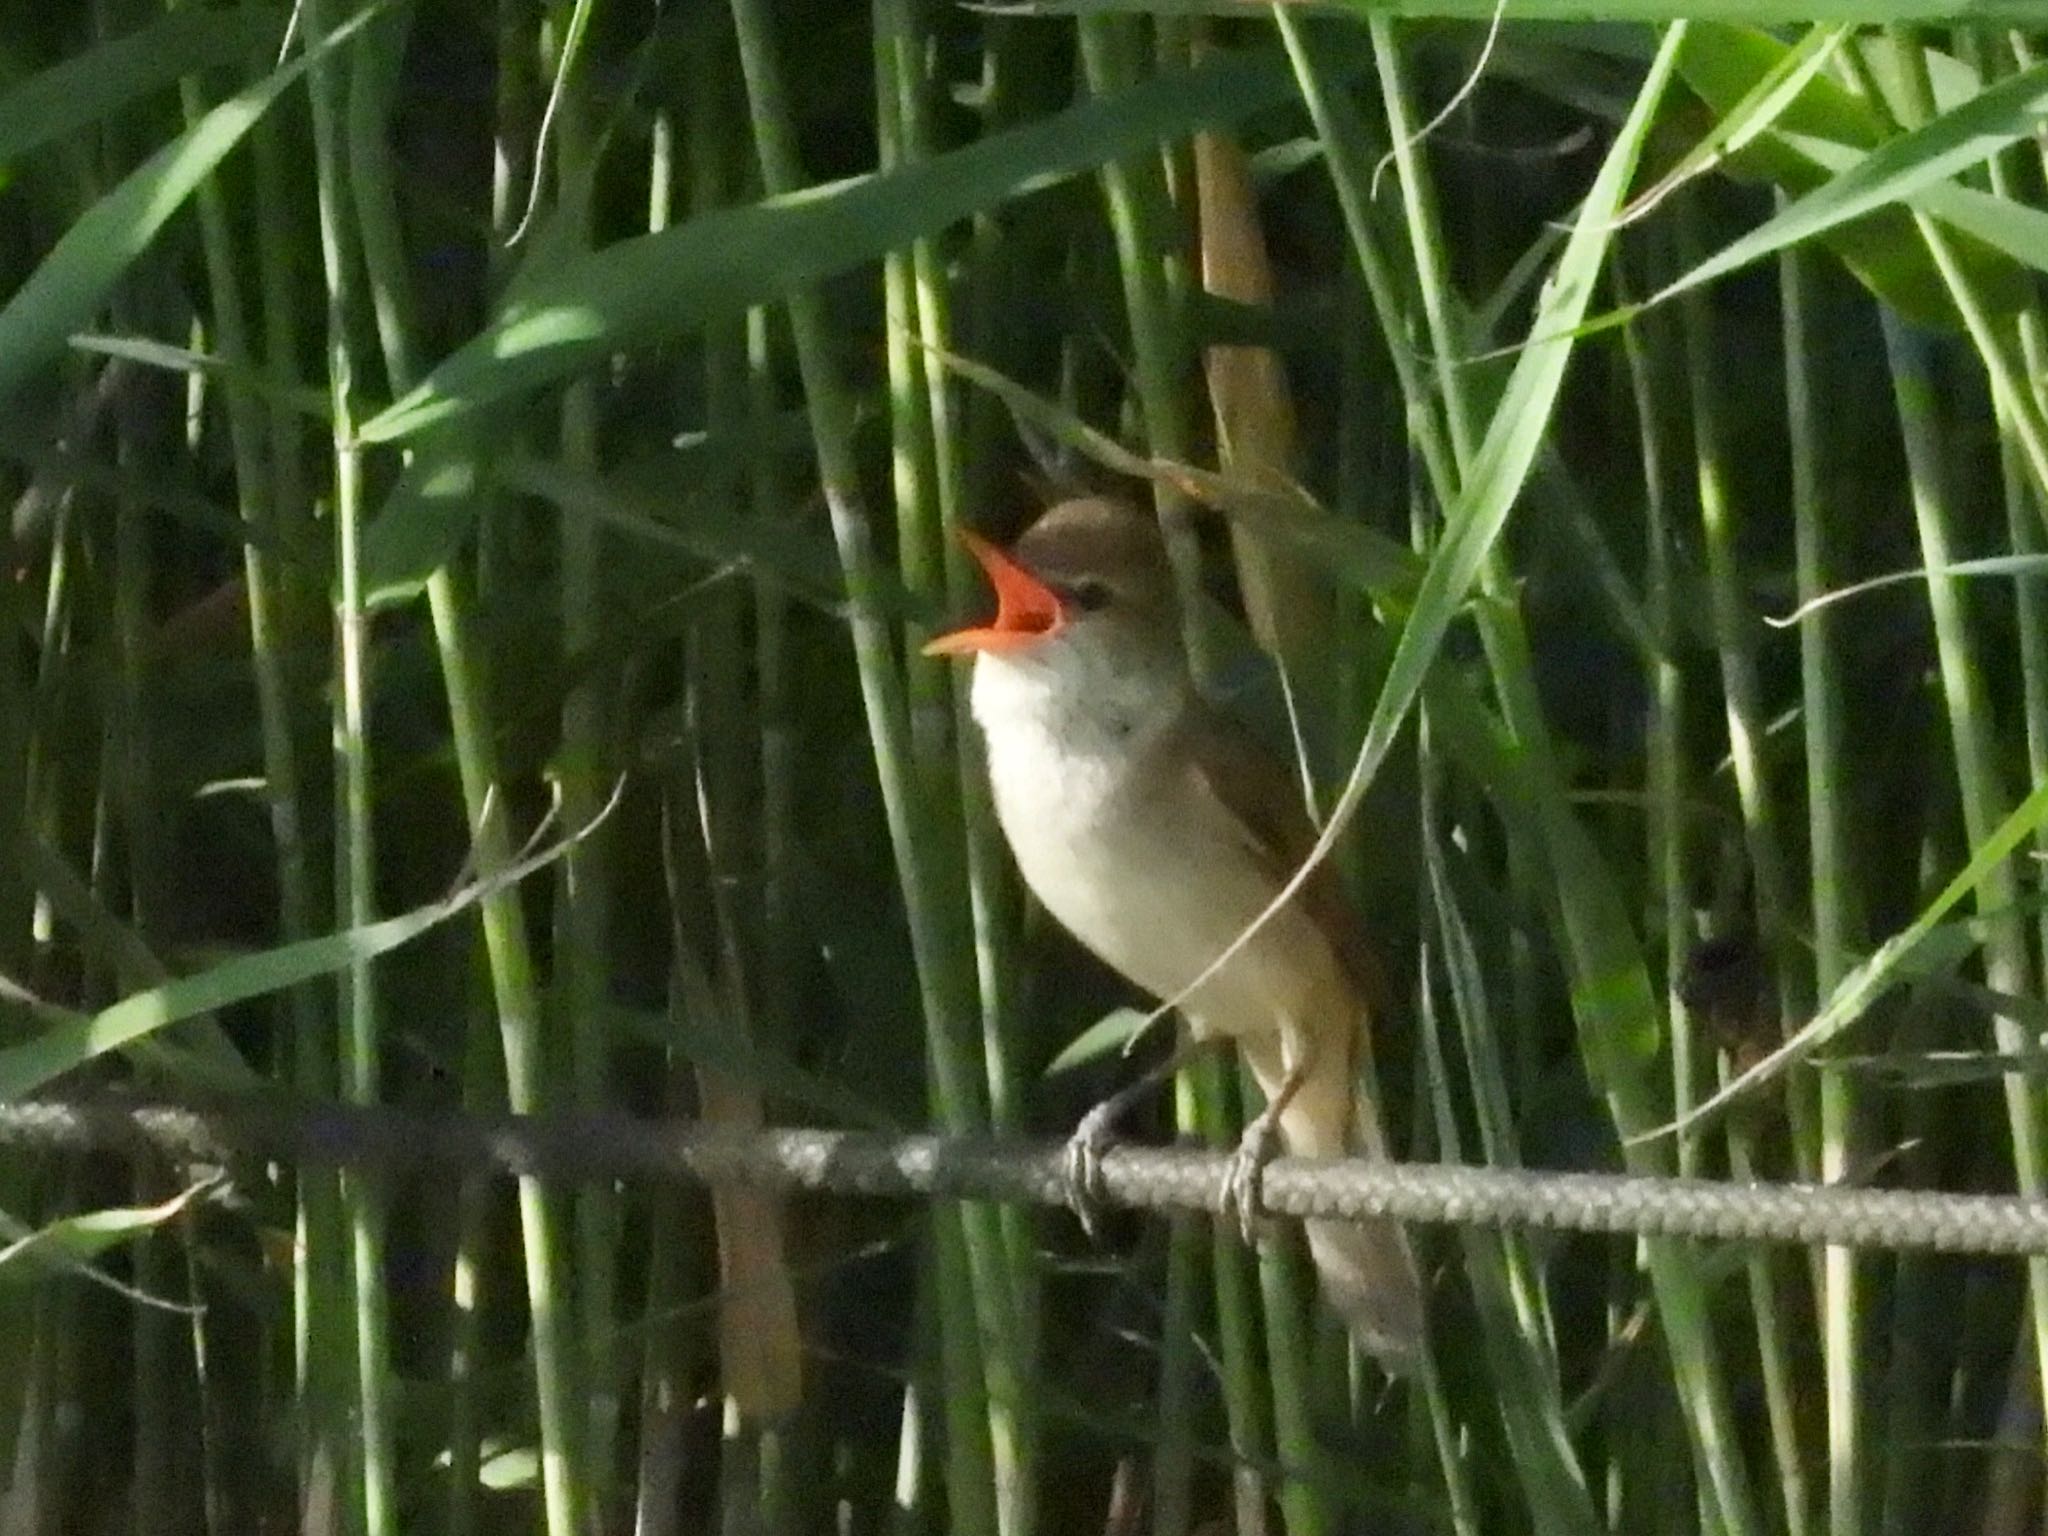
<point>1244,1184</point>
<point>1086,1194</point>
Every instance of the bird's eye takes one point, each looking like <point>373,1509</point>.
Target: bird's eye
<point>1087,596</point>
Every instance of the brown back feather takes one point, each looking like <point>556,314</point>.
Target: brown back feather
<point>1266,800</point>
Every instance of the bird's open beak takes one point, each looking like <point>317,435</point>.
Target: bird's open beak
<point>1027,610</point>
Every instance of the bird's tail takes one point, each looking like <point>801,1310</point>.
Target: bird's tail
<point>1366,1269</point>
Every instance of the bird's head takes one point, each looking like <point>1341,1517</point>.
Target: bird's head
<point>1085,595</point>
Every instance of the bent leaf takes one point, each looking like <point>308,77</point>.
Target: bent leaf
<point>63,1046</point>
<point>73,1242</point>
<point>71,283</point>
<point>1897,959</point>
<point>1890,174</point>
<point>659,286</point>
<point>70,96</point>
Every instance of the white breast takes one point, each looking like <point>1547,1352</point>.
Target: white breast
<point>1143,867</point>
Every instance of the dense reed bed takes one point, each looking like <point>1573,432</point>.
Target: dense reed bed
<point>480,476</point>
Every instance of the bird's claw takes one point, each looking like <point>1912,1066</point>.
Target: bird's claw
<point>1244,1184</point>
<point>1086,1193</point>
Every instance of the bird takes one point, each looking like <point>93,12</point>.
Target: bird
<point>1156,830</point>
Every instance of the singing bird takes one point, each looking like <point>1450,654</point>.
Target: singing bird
<point>1156,831</point>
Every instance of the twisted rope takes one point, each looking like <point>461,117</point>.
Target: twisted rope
<point>612,1146</point>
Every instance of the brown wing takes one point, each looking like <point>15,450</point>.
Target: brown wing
<point>1265,799</point>
<point>1366,1269</point>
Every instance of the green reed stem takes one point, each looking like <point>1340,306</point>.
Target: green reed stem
<point>1348,146</point>
<point>1521,1361</point>
<point>1836,922</point>
<point>564,1478</point>
<point>261,482</point>
<point>584,772</point>
<point>928,477</point>
<point>1306,1504</point>
<point>1734,640</point>
<point>1180,1355</point>
<point>1244,1386</point>
<point>25,1332</point>
<point>355,862</point>
<point>2017,402</point>
<point>1980,782</point>
<point>1139,220</point>
<point>1734,621</point>
<point>976,1320</point>
<point>17,735</point>
<point>515,989</point>
<point>1442,311</point>
<point>163,1487</point>
<point>2012,174</point>
<point>1594,929</point>
<point>908,44</point>
<point>1447,346</point>
<point>265,458</point>
<point>969,450</point>
<point>1647,351</point>
<point>1453,1454</point>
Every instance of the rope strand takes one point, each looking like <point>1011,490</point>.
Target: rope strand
<point>583,1147</point>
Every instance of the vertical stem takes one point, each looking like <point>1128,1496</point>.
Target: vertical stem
<point>1835,921</point>
<point>1345,142</point>
<point>2026,503</point>
<point>759,1349</point>
<point>162,1367</point>
<point>483,1090</point>
<point>954,773</point>
<point>17,890</point>
<point>1306,1505</point>
<point>1425,243</point>
<point>1452,1453</point>
<point>1180,1357</point>
<point>1521,1358</point>
<point>2019,406</point>
<point>1135,191</point>
<point>1979,781</point>
<point>162,1381</point>
<point>355,864</point>
<point>975,1294</point>
<point>516,989</point>
<point>1667,821</point>
<point>1734,626</point>
<point>557,1390</point>
<point>1594,931</point>
<point>1237,1345</point>
<point>585,769</point>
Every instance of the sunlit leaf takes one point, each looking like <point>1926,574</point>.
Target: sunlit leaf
<point>1891,173</point>
<point>71,283</point>
<point>1108,1035</point>
<point>74,1241</point>
<point>70,96</point>
<point>660,286</point>
<point>60,1048</point>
